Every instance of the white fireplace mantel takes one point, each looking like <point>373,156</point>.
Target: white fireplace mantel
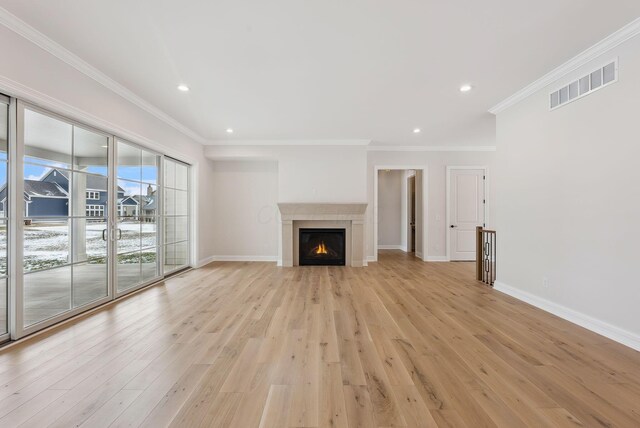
<point>352,214</point>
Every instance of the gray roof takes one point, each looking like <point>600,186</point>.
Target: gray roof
<point>127,200</point>
<point>35,188</point>
<point>94,182</point>
<point>147,202</point>
<point>151,203</point>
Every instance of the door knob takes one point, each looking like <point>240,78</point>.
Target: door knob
<point>452,226</point>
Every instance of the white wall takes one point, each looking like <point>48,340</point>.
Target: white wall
<point>308,173</point>
<point>322,174</point>
<point>244,220</point>
<point>568,186</point>
<point>390,197</point>
<point>301,174</point>
<point>345,174</point>
<point>32,74</point>
<point>436,164</point>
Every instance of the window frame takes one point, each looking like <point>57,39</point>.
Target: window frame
<point>92,209</point>
<point>90,195</point>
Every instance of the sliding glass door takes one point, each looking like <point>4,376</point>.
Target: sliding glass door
<point>138,170</point>
<point>90,218</point>
<point>65,245</point>
<point>4,215</point>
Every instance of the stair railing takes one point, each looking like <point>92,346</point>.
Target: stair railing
<point>485,255</point>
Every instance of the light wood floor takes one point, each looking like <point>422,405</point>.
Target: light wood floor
<point>400,343</point>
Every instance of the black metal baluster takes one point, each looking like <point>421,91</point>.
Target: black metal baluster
<point>491,257</point>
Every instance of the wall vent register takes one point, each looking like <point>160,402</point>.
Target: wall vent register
<point>593,81</point>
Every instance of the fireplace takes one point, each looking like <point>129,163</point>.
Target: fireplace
<point>349,218</point>
<point>322,247</point>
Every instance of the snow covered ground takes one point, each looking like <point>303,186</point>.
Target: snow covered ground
<point>48,244</point>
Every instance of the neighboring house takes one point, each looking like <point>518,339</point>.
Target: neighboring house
<point>41,199</point>
<point>128,206</point>
<point>148,202</point>
<point>44,199</point>
<point>49,197</point>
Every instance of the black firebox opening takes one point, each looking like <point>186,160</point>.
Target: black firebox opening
<point>322,247</point>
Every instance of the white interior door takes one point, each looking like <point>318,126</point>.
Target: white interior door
<point>466,211</point>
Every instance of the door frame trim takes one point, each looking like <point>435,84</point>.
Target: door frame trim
<point>425,198</point>
<point>451,168</point>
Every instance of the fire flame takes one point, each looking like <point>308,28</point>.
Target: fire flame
<point>321,249</point>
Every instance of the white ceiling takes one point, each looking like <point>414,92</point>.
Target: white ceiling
<point>328,69</point>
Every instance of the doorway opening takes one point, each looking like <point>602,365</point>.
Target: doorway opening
<point>411,213</point>
<point>400,214</point>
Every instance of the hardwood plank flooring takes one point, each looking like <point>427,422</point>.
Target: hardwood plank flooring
<point>400,343</point>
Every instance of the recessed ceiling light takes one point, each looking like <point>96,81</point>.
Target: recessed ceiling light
<point>229,131</point>
<point>417,130</point>
<point>183,88</point>
<point>465,88</point>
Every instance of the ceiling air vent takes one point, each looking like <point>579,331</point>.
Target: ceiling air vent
<point>598,79</point>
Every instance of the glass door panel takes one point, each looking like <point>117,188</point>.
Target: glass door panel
<point>65,206</point>
<point>176,215</point>
<point>90,204</point>
<point>47,232</point>
<point>90,269</point>
<point>128,243</point>
<point>89,199</point>
<point>149,264</point>
<point>136,233</point>
<point>129,274</point>
<point>4,198</point>
<point>47,293</point>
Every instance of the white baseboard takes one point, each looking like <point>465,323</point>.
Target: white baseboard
<point>205,261</point>
<point>372,259</point>
<point>391,247</point>
<point>438,259</point>
<point>612,332</point>
<point>419,255</point>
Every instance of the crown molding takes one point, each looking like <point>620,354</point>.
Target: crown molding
<point>288,142</point>
<point>343,143</point>
<point>30,95</point>
<point>23,29</point>
<point>431,148</point>
<point>625,33</point>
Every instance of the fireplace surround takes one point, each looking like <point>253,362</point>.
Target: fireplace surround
<point>296,216</point>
